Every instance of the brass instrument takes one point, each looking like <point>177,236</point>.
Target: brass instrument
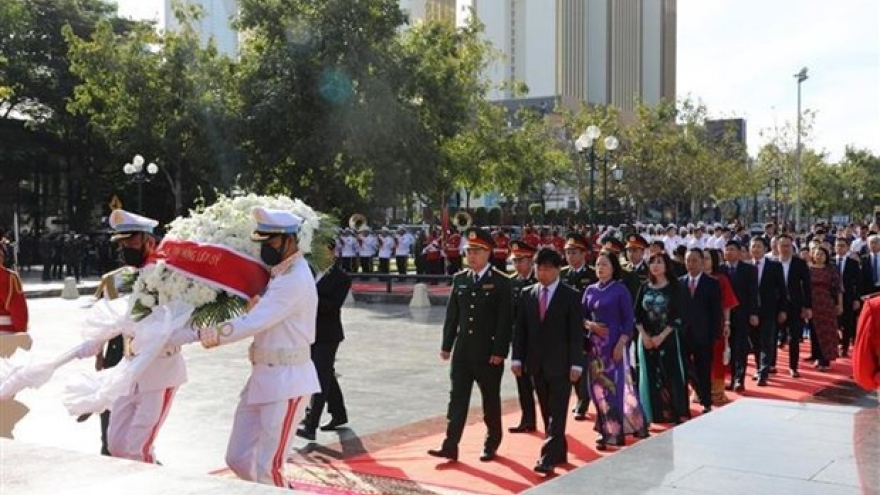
<point>462,221</point>
<point>357,222</point>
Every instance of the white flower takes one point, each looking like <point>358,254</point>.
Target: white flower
<point>147,300</point>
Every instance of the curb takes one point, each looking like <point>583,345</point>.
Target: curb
<point>85,290</point>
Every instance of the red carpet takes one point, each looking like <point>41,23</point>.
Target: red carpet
<point>396,288</point>
<point>400,454</point>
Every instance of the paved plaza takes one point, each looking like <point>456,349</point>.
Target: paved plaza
<point>392,377</point>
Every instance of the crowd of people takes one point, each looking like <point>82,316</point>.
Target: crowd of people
<point>62,254</point>
<point>658,321</point>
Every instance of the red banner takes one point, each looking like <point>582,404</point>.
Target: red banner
<point>216,265</point>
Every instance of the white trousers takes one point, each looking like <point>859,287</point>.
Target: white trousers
<point>135,421</point>
<point>261,437</point>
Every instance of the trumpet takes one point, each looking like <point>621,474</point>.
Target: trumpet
<point>462,220</point>
<point>357,222</point>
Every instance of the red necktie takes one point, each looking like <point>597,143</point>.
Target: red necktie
<point>542,308</point>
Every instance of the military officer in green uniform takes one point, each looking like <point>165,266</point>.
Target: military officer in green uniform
<point>522,255</point>
<point>578,275</point>
<point>476,335</point>
<point>635,275</point>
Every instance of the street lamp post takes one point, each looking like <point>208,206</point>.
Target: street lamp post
<point>800,77</point>
<point>775,177</point>
<point>138,174</point>
<point>585,145</point>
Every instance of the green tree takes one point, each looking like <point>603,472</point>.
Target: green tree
<point>162,96</point>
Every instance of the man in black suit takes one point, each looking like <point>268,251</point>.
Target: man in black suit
<point>479,324</point>
<point>871,266</point>
<point>771,308</point>
<point>703,323</point>
<point>333,286</point>
<point>548,340</point>
<point>744,280</point>
<point>798,287</point>
<point>850,276</point>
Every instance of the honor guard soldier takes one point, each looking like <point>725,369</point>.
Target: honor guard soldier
<point>501,250</point>
<point>138,416</point>
<point>283,376</point>
<point>13,335</point>
<point>13,306</point>
<point>522,254</point>
<point>578,275</point>
<point>476,335</point>
<point>452,251</point>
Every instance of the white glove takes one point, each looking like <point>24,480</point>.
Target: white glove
<point>182,336</point>
<point>88,349</point>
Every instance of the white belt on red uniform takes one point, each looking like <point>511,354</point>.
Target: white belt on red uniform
<point>5,320</point>
<point>280,357</point>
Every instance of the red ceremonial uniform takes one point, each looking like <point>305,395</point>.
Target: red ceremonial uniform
<point>532,239</point>
<point>453,246</point>
<point>502,247</point>
<point>866,351</point>
<point>558,243</point>
<point>13,306</point>
<point>432,249</point>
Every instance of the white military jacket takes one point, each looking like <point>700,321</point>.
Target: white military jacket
<point>282,324</point>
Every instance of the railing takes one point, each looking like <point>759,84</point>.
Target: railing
<point>389,278</point>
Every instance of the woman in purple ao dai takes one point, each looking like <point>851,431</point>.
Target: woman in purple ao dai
<point>608,316</point>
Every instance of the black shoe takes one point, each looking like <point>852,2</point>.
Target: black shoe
<point>306,433</point>
<point>729,387</point>
<point>762,382</point>
<point>739,387</point>
<point>522,429</point>
<point>707,409</point>
<point>333,424</point>
<point>487,455</point>
<point>755,378</point>
<point>451,454</point>
<point>543,468</point>
<point>773,370</point>
<point>794,374</point>
<point>580,416</point>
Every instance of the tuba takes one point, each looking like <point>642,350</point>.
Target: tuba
<point>357,222</point>
<point>462,221</point>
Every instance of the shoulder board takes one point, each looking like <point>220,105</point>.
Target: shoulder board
<point>461,273</point>
<point>565,269</point>
<point>499,272</point>
<point>511,276</point>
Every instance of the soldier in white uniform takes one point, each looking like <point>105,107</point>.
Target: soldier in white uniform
<point>283,377</point>
<point>367,250</point>
<point>349,251</point>
<point>386,249</point>
<point>138,416</point>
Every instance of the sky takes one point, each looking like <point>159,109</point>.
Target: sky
<point>739,57</point>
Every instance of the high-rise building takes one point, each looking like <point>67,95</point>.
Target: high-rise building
<point>429,10</point>
<point>600,51</point>
<point>216,23</point>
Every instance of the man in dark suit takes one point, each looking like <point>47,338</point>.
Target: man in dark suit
<point>850,276</point>
<point>799,290</point>
<point>479,321</point>
<point>744,280</point>
<point>702,324</point>
<point>333,286</point>
<point>548,340</point>
<point>871,266</point>
<point>522,255</point>
<point>771,308</point>
<point>578,275</point>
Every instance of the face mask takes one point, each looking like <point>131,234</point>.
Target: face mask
<point>132,256</point>
<point>270,255</point>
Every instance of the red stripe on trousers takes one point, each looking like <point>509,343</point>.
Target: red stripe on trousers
<point>282,443</point>
<point>148,446</point>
